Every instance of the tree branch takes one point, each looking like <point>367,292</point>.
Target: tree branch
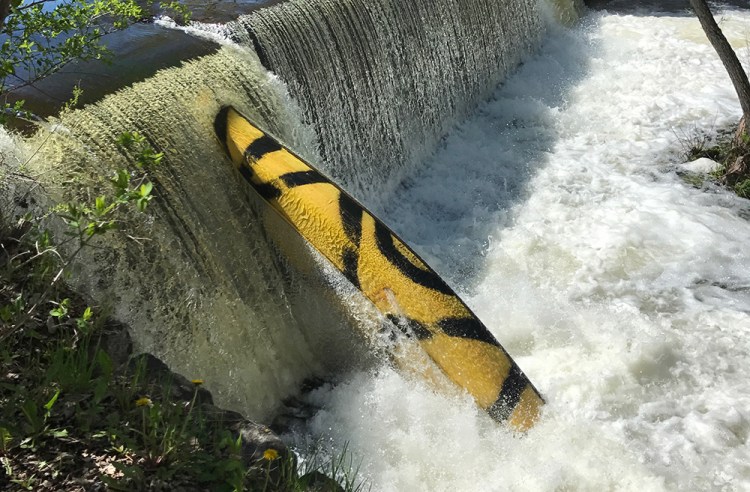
<point>4,11</point>
<point>726,54</point>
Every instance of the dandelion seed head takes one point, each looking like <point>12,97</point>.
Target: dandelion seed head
<point>144,401</point>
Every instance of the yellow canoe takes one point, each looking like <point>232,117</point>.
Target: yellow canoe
<point>386,270</point>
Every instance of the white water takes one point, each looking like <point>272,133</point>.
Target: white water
<point>621,291</point>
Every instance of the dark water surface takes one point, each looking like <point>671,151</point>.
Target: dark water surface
<point>139,51</point>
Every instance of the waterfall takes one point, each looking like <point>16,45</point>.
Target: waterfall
<point>618,284</point>
<point>221,288</point>
<point>381,82</point>
<point>207,288</point>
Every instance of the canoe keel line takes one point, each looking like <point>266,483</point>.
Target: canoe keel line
<point>384,269</point>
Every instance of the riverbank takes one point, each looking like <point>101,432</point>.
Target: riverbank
<point>723,159</point>
<point>78,409</point>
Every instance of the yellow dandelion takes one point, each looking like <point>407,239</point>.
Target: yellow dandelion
<point>270,454</point>
<point>144,401</point>
<point>197,382</point>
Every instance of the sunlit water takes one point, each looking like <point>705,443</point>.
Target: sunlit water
<point>622,291</point>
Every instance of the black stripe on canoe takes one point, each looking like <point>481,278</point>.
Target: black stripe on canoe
<point>351,217</point>
<point>467,328</point>
<point>220,126</point>
<point>260,147</point>
<point>350,259</point>
<point>428,279</point>
<point>301,178</point>
<point>410,327</point>
<point>266,190</point>
<point>510,394</point>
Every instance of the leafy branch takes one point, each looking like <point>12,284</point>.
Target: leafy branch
<point>39,37</point>
<point>84,222</point>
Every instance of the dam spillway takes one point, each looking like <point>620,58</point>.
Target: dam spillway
<point>557,211</point>
<point>209,264</point>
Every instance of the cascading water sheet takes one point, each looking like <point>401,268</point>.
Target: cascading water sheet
<point>382,81</point>
<point>620,287</point>
<point>210,292</point>
<point>201,280</point>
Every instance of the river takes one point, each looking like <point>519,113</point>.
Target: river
<point>555,203</point>
<point>621,290</point>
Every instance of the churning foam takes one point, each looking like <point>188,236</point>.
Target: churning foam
<point>622,291</point>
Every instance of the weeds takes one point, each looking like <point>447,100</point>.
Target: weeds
<point>697,144</point>
<point>334,470</point>
<point>55,377</point>
<point>32,259</point>
<point>69,413</point>
<point>732,153</point>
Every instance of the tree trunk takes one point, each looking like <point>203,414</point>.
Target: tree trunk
<point>4,11</point>
<point>726,54</point>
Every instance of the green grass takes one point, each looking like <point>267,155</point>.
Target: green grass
<point>742,188</point>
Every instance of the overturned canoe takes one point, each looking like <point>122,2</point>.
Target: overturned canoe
<point>387,271</point>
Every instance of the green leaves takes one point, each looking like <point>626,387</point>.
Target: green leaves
<point>6,438</point>
<point>100,206</point>
<point>43,36</point>
<point>84,322</point>
<point>26,46</point>
<point>124,193</point>
<point>121,182</point>
<point>58,381</point>
<point>9,312</point>
<point>51,403</point>
<point>88,221</point>
<point>144,158</point>
<point>61,311</point>
<point>179,12</point>
<point>12,110</point>
<point>137,145</point>
<point>742,188</point>
<point>144,197</point>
